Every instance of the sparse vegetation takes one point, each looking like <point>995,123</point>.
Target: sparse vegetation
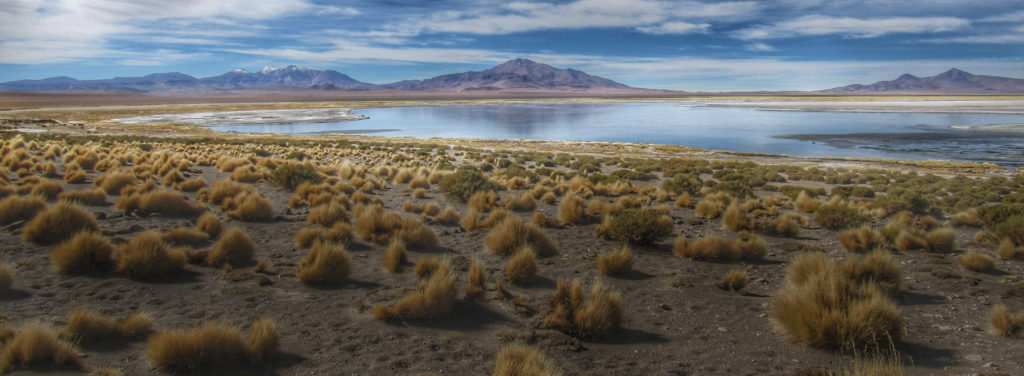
<point>513,233</point>
<point>234,247</point>
<point>521,268</point>
<point>58,223</point>
<point>618,262</point>
<point>325,263</point>
<point>146,256</point>
<point>85,253</point>
<point>432,299</point>
<point>637,226</point>
<point>522,360</point>
<point>570,312</point>
<point>210,346</point>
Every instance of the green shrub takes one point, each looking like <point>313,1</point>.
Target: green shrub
<point>466,181</point>
<point>683,183</point>
<point>1012,228</point>
<point>637,226</point>
<point>291,175</point>
<point>838,216</point>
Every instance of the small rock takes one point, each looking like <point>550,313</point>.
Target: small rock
<point>972,328</point>
<point>665,307</point>
<point>723,329</point>
<point>974,358</point>
<point>945,328</point>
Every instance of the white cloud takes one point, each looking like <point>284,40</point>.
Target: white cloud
<point>853,27</point>
<point>345,11</point>
<point>677,27</point>
<point>759,47</point>
<point>1017,16</point>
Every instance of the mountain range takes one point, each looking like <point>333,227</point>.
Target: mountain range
<point>518,74</point>
<point>953,81</point>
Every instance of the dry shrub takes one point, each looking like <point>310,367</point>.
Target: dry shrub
<point>432,209</point>
<point>375,224</point>
<point>681,247</point>
<point>87,326</point>
<point>6,277</point>
<point>325,263</point>
<point>210,346</point>
<point>862,239</point>
<point>192,185</point>
<point>823,306</point>
<point>617,262</point>
<point>263,338</point>
<point>327,215</point>
<point>524,203</point>
<point>735,218</point>
<point>184,236</point>
<point>513,233</point>
<point>169,203</point>
<point>94,197</point>
<point>837,215</point>
<point>87,161</point>
<point>425,266</point>
<point>805,203</point>
<point>85,253</point>
<point>305,237</point>
<point>735,280</point>
<point>37,345</point>
<point>636,226</point>
<point>521,268</point>
<point>570,209</point>
<point>976,261</point>
<point>251,207</point>
<point>419,193</point>
<point>483,201</point>
<point>432,299</point>
<point>549,198</point>
<point>223,190</point>
<point>394,256</point>
<point>146,256</point>
<point>910,240</point>
<point>449,217</point>
<point>710,247</point>
<point>477,279</point>
<point>75,177</point>
<point>47,189</point>
<point>58,223</point>
<point>941,239</point>
<point>210,224</point>
<point>1007,251</point>
<point>114,182</point>
<point>234,248</point>
<point>970,217</point>
<point>416,234</point>
<point>410,207</point>
<point>570,312</point>
<point>684,200</point>
<point>16,208</point>
<point>522,360</point>
<point>1003,323</point>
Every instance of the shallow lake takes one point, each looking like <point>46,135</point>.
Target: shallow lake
<point>856,134</point>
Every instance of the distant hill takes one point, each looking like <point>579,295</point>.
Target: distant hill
<point>514,74</point>
<point>953,81</point>
<point>518,74</point>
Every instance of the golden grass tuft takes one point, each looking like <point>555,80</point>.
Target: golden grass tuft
<point>416,234</point>
<point>192,185</point>
<point>85,253</point>
<point>432,299</point>
<point>210,346</point>
<point>521,360</point>
<point>58,223</point>
<point>114,182</point>
<point>210,224</point>
<point>805,203</point>
<point>521,268</point>
<point>88,326</point>
<point>449,217</point>
<point>146,256</point>
<point>736,280</point>
<point>861,239</point>
<point>1003,323</point>
<point>94,197</point>
<point>15,208</point>
<point>327,215</point>
<point>825,307</point>
<point>525,202</point>
<point>941,239</point>
<point>425,266</point>
<point>570,209</point>
<point>513,233</point>
<point>325,264</point>
<point>47,189</point>
<point>976,261</point>
<point>394,256</point>
<point>234,247</point>
<point>37,345</point>
<point>483,201</point>
<point>735,218</point>
<point>910,240</point>
<point>568,310</point>
<point>184,236</point>
<point>251,207</point>
<point>477,279</point>
<point>169,203</point>
<point>263,338</point>
<point>684,200</point>
<point>1007,251</point>
<point>616,262</point>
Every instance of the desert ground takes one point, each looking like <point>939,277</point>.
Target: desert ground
<point>735,263</point>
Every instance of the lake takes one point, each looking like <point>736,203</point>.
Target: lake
<point>820,134</point>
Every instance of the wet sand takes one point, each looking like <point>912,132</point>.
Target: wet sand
<point>964,106</point>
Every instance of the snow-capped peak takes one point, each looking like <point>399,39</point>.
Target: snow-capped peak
<point>290,68</point>
<point>239,70</point>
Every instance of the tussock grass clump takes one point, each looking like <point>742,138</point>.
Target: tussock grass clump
<point>570,312</point>
<point>636,226</point>
<point>806,203</point>
<point>1003,323</point>
<point>192,185</point>
<point>1007,251</point>
<point>684,201</point>
<point>941,239</point>
<point>525,202</point>
<point>184,236</point>
<point>976,261</point>
<point>87,325</point>
<point>16,208</point>
<point>825,307</point>
<point>375,224</point>
<point>6,277</point>
<point>47,189</point>
<point>325,263</point>
<point>712,205</point>
<point>327,215</point>
<point>263,338</point>
<point>735,218</point>
<point>483,201</point>
<point>513,233</point>
<point>736,280</point>
<point>862,239</point>
<point>570,209</point>
<point>86,252</point>
<point>251,207</point>
<point>521,268</point>
<point>94,197</point>
<point>838,216</point>
<point>432,299</point>
<point>714,248</point>
<point>522,360</point>
<point>449,217</point>
<point>910,240</point>
<point>210,224</point>
<point>234,248</point>
<point>477,279</point>
<point>58,223</point>
<point>113,182</point>
<point>37,345</point>
<point>394,256</point>
<point>210,346</point>
<point>169,203</point>
<point>146,256</point>
<point>223,190</point>
<point>617,262</point>
<point>290,176</point>
<point>416,234</point>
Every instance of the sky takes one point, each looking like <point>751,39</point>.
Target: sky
<point>680,45</point>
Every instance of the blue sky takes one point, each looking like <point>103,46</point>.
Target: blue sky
<point>682,45</point>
